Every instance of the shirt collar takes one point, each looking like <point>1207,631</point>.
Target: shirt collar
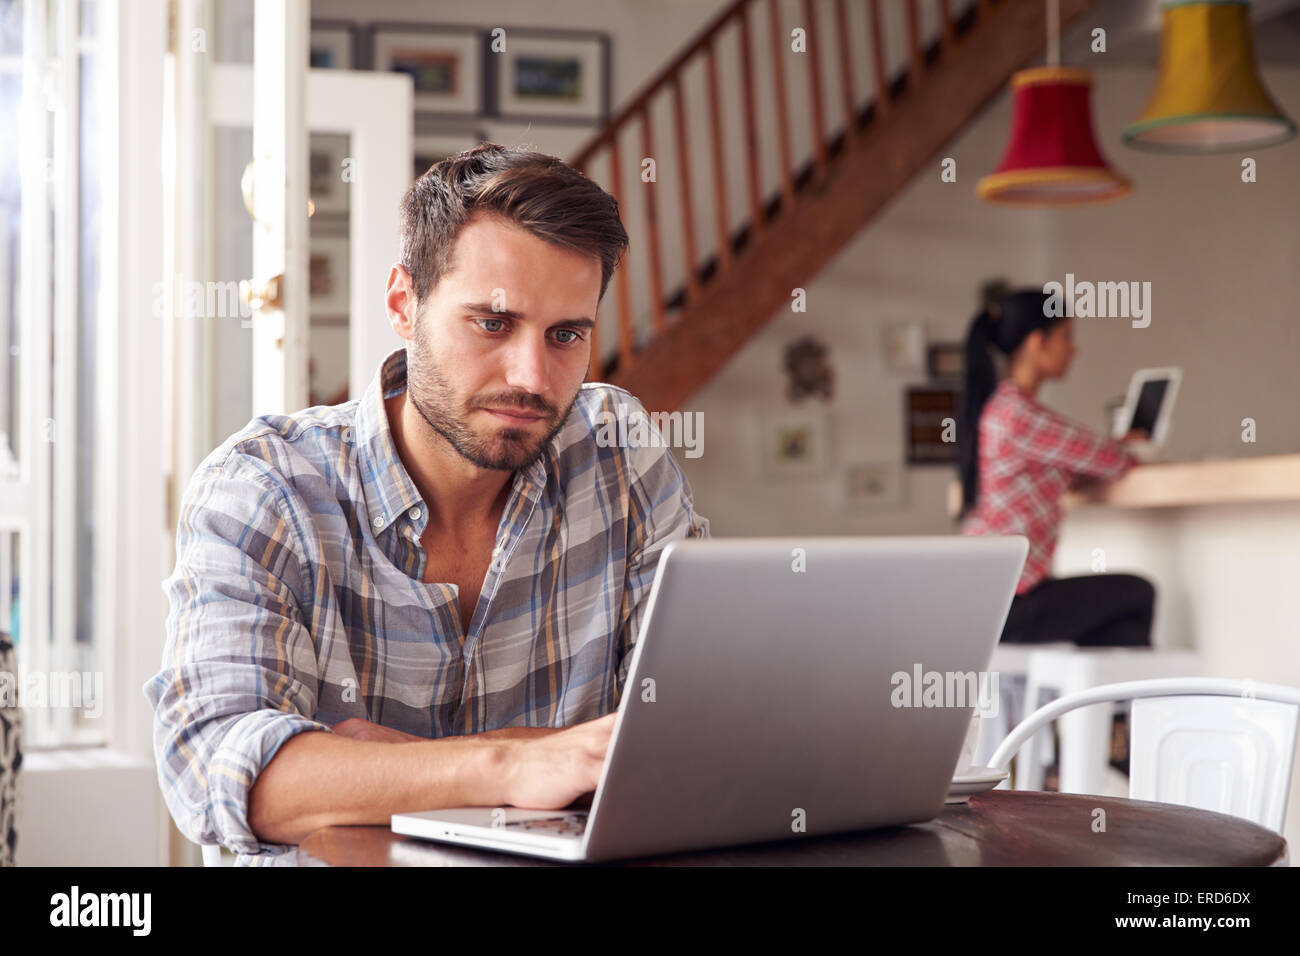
<point>389,490</point>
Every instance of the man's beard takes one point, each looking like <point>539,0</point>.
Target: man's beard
<point>505,449</point>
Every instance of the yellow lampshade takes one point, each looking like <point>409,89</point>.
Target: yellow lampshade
<point>1208,96</point>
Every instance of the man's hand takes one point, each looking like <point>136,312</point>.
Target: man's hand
<point>544,768</point>
<point>551,770</point>
<point>1135,434</point>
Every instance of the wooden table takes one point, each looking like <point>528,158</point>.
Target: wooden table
<point>998,828</point>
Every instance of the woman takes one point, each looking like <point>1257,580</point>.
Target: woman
<point>1019,459</point>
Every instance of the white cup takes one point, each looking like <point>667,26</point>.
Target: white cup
<point>966,757</point>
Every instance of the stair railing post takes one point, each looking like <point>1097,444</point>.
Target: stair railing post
<point>684,192</point>
<point>652,223</point>
<point>623,276</point>
<point>846,70</point>
<point>757,212</point>
<point>878,58</point>
<point>719,157</point>
<point>914,44</point>
<point>779,48</point>
<point>815,86</point>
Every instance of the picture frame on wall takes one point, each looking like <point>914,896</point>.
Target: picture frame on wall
<point>925,411</point>
<point>333,45</point>
<point>904,346</point>
<point>945,360</point>
<point>445,64</point>
<point>873,484</point>
<point>549,76</point>
<point>795,444</point>
<point>433,147</point>
<point>328,271</point>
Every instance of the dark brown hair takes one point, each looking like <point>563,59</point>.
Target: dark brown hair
<point>540,193</point>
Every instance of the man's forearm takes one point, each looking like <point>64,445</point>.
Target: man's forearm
<point>319,779</point>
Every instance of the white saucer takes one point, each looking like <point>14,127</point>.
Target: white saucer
<point>975,780</point>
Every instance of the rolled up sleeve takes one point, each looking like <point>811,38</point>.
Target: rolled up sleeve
<point>239,674</point>
<point>1041,435</point>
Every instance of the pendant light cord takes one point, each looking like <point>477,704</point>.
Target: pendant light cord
<point>1053,33</point>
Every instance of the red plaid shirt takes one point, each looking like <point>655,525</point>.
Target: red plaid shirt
<point>1029,455</point>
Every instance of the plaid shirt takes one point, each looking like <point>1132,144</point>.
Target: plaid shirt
<point>1028,456</point>
<point>298,601</point>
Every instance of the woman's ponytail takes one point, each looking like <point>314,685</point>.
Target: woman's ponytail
<point>1008,318</point>
<point>979,381</point>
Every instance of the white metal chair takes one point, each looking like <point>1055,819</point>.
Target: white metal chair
<point>1210,743</point>
<point>211,854</point>
<point>1085,734</point>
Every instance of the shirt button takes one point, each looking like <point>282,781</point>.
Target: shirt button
<point>378,521</point>
<point>415,514</point>
<point>347,434</point>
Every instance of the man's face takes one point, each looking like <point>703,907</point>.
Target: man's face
<point>501,344</point>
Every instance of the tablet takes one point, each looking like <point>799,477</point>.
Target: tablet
<point>1150,403</point>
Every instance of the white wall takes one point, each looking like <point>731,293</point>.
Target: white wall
<point>89,808</point>
<point>1223,258</point>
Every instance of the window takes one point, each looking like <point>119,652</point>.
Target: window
<point>50,270</point>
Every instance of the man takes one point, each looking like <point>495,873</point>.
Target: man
<point>428,597</point>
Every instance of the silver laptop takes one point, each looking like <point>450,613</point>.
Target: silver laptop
<point>771,696</point>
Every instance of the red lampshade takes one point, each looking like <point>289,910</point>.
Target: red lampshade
<point>1052,157</point>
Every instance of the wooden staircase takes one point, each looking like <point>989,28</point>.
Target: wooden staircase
<point>676,339</point>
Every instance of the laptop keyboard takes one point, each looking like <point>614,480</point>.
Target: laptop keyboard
<point>571,824</point>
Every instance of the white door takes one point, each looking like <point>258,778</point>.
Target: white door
<point>360,151</point>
